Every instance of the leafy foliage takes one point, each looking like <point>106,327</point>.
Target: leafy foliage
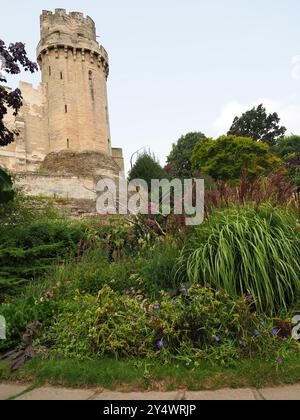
<point>119,239</point>
<point>158,269</point>
<point>229,158</point>
<point>150,271</point>
<point>247,250</point>
<point>14,59</point>
<point>179,160</point>
<point>287,146</point>
<point>293,165</point>
<point>198,324</point>
<point>258,125</point>
<point>93,270</point>
<point>32,243</point>
<point>288,149</point>
<point>7,192</point>
<point>117,293</point>
<point>147,168</point>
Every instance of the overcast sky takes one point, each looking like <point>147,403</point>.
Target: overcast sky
<point>182,65</point>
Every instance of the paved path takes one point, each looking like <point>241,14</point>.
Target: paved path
<point>288,393</point>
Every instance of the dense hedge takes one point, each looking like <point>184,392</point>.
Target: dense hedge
<point>34,237</point>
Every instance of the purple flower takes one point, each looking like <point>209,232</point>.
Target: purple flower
<point>217,339</point>
<point>160,344</point>
<point>275,331</point>
<point>280,361</point>
<point>183,290</point>
<point>256,333</point>
<point>249,297</point>
<point>156,307</point>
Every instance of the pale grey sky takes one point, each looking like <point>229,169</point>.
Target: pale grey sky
<point>182,65</point>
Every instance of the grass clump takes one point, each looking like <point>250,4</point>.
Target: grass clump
<point>247,250</point>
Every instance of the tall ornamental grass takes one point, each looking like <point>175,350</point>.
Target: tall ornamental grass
<point>247,250</point>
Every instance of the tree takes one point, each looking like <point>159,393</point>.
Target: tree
<point>256,124</point>
<point>179,160</point>
<point>147,168</point>
<point>287,146</point>
<point>228,158</point>
<point>12,59</point>
<point>293,165</point>
<point>288,149</point>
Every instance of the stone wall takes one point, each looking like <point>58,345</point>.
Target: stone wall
<point>65,187</point>
<point>30,145</point>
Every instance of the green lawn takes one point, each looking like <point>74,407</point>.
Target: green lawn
<point>133,375</point>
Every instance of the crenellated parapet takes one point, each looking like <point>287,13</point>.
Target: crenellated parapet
<point>70,36</point>
<point>67,22</point>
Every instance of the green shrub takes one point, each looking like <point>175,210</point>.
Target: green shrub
<point>34,237</point>
<point>25,209</point>
<point>94,270</point>
<point>197,325</point>
<point>111,323</point>
<point>88,273</point>
<point>120,239</point>
<point>247,250</point>
<point>39,301</point>
<point>158,270</point>
<point>29,250</point>
<point>7,192</point>
<point>150,272</point>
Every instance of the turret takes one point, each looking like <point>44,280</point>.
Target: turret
<point>74,70</point>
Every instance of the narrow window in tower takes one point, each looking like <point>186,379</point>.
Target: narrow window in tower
<point>91,83</point>
<point>61,75</point>
<point>49,71</point>
<point>66,108</point>
<point>68,144</point>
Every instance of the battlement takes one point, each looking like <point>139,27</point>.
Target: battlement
<point>67,23</point>
<point>62,12</point>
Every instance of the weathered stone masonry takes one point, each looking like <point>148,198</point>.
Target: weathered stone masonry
<point>68,112</point>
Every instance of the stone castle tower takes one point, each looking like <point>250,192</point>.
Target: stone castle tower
<point>67,116</point>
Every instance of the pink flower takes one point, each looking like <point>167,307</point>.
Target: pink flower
<point>151,207</point>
